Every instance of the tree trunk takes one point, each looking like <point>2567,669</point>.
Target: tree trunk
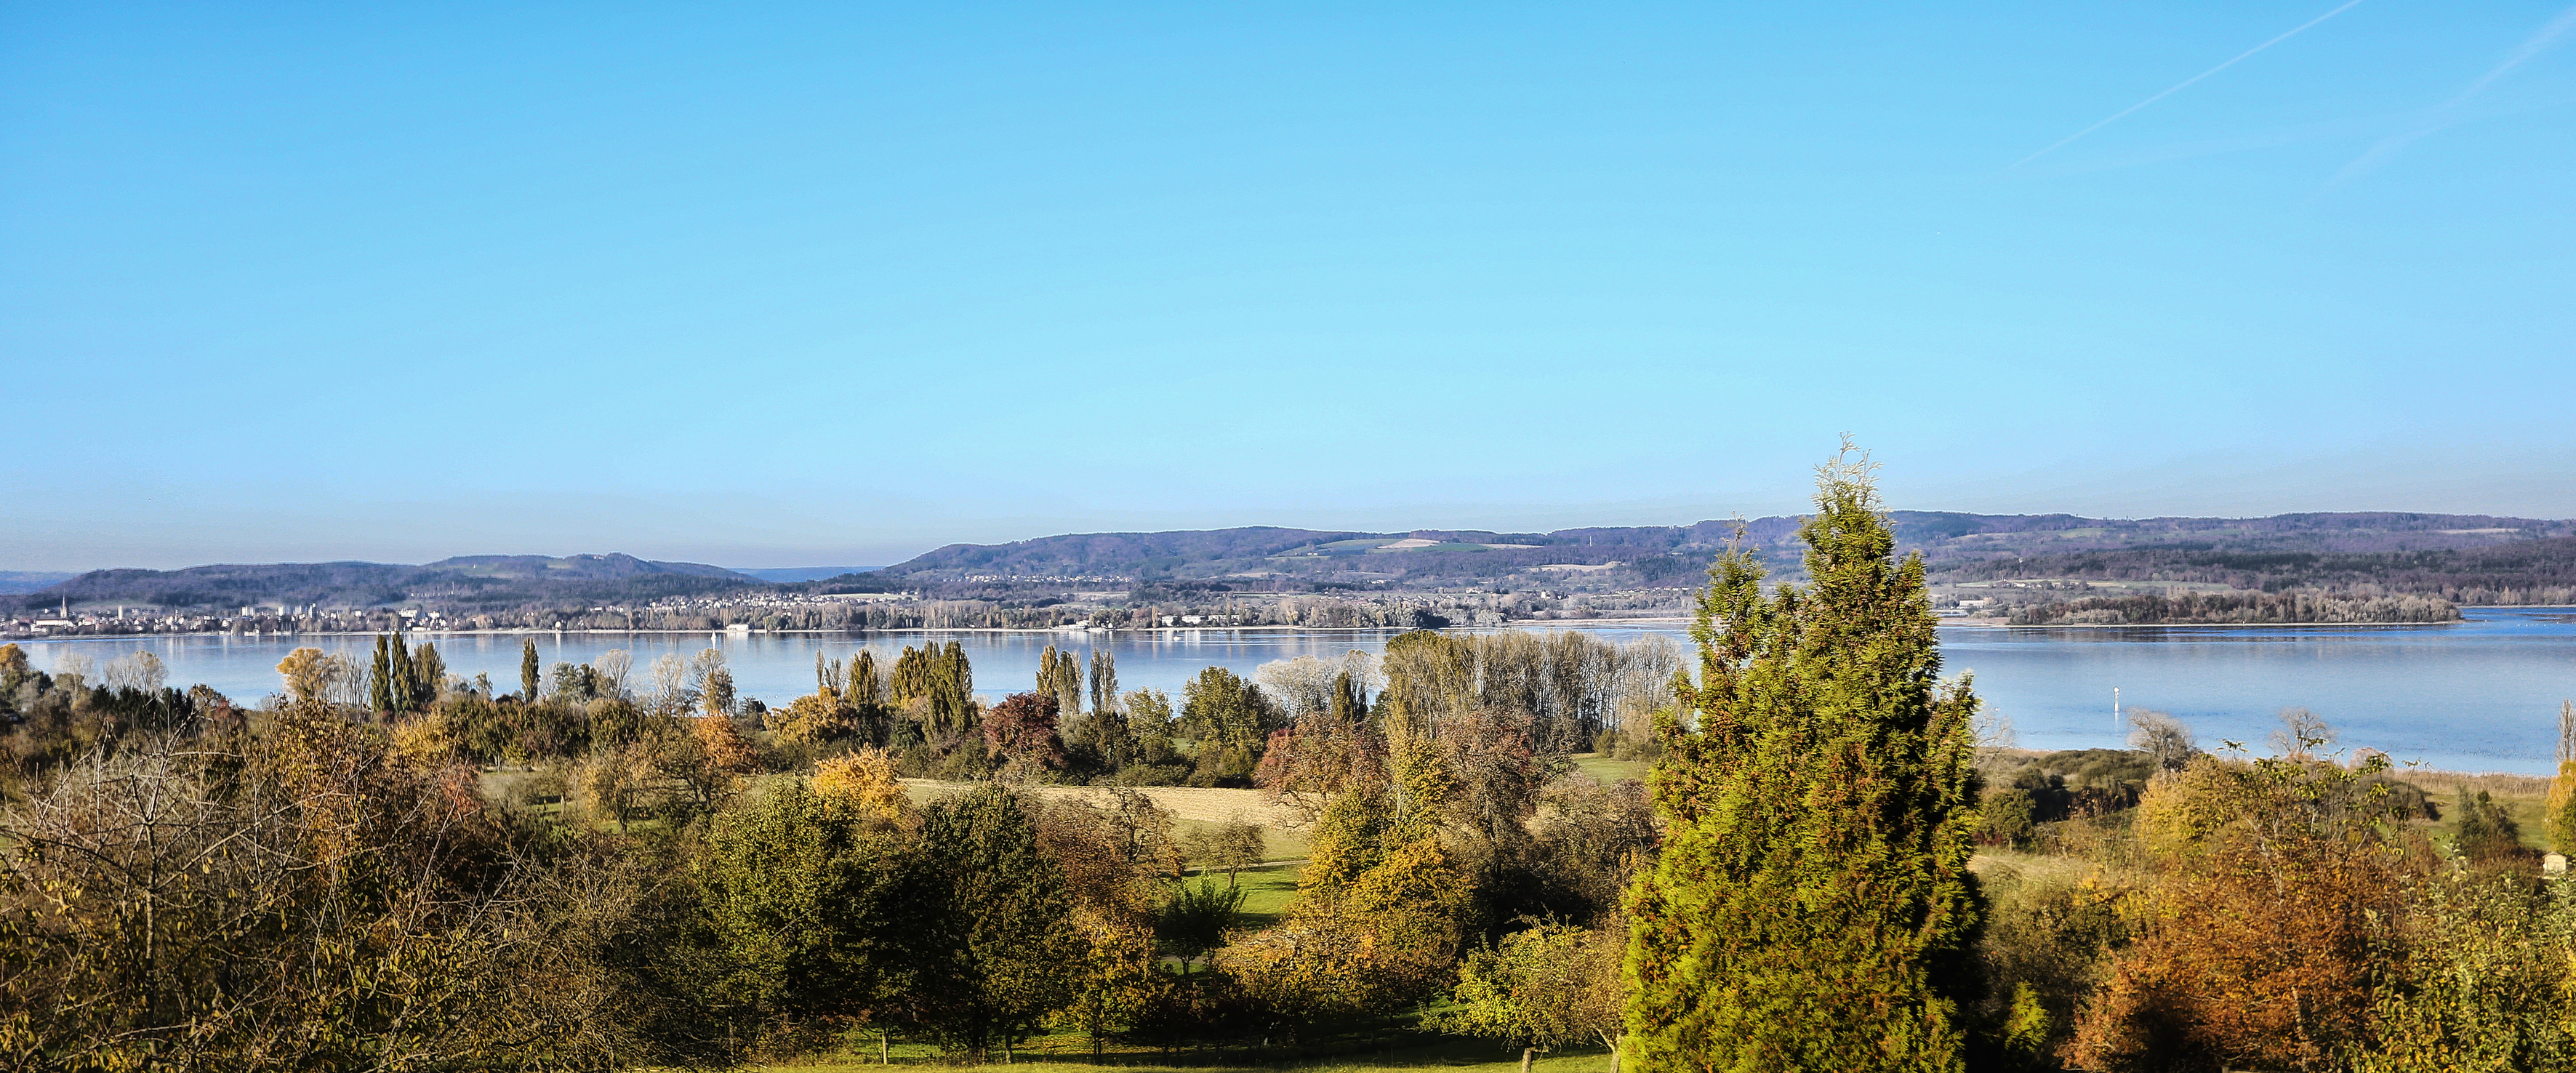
<point>1615,1041</point>
<point>885,1051</point>
<point>1006,1048</point>
<point>1526,1054</point>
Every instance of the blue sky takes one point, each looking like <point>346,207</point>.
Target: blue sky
<point>836,284</point>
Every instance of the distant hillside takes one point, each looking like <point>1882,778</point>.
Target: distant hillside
<point>2522,571</point>
<point>468,583</point>
<point>1957,546</point>
<point>2469,559</point>
<point>1113,553</point>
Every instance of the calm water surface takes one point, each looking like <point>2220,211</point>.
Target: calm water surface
<point>2480,695</point>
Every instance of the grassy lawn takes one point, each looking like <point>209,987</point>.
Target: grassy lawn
<point>1605,771</point>
<point>1266,891</point>
<point>1277,843</point>
<point>2525,798</point>
<point>1409,1052</point>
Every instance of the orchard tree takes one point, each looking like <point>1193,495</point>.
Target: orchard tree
<point>1813,908</point>
<point>798,901</point>
<point>1544,987</point>
<point>2266,943</point>
<point>994,943</point>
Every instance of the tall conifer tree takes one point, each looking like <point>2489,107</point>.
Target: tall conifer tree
<point>528,670</point>
<point>380,679</point>
<point>1812,908</point>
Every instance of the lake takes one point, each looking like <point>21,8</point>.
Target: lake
<point>2480,695</point>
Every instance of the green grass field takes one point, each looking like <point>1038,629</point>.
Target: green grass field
<point>1604,770</point>
<point>1277,843</point>
<point>1409,1052</point>
<point>2524,797</point>
<point>1267,891</point>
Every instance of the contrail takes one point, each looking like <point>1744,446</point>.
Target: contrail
<point>2179,86</point>
<point>2380,152</point>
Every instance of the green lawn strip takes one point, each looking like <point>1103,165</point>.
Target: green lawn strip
<point>1277,843</point>
<point>1407,1050</point>
<point>1267,890</point>
<point>1604,770</point>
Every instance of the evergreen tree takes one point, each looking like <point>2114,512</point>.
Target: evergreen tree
<point>380,679</point>
<point>1812,908</point>
<point>528,670</point>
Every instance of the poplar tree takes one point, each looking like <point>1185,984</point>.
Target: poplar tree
<point>1812,908</point>
<point>428,670</point>
<point>528,670</point>
<point>400,686</point>
<point>961,675</point>
<point>1047,672</point>
<point>1104,680</point>
<point>1060,676</point>
<point>380,679</point>
<point>943,678</point>
<point>864,689</point>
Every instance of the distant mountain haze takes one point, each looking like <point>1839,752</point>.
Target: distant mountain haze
<point>18,581</point>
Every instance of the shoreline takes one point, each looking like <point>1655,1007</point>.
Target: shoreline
<point>2204,625</point>
<point>1585,623</point>
<point>531,632</point>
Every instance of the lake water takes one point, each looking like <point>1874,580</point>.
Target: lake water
<point>2480,695</point>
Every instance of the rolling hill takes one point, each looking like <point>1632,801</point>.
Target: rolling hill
<point>2431,553</point>
<point>2466,558</point>
<point>466,582</point>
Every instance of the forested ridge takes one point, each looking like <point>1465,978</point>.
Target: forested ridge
<point>2232,608</point>
<point>465,583</point>
<point>2467,559</point>
<point>2541,571</point>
